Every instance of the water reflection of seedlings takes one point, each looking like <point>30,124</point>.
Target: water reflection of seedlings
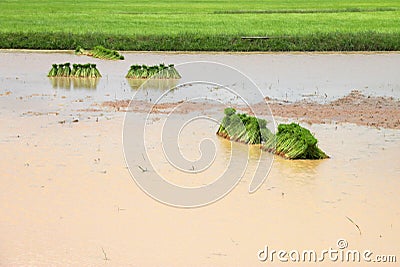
<point>76,83</point>
<point>60,82</point>
<point>86,83</point>
<point>163,84</point>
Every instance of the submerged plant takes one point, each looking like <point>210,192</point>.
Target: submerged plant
<point>291,141</point>
<point>155,72</point>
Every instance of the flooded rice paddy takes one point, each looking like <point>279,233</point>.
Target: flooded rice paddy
<point>67,197</point>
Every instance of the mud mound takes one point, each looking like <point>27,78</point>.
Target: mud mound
<point>353,108</point>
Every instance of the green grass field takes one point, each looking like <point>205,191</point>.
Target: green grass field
<point>201,25</point>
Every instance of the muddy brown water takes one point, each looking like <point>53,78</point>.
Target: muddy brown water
<point>67,197</point>
<point>292,77</point>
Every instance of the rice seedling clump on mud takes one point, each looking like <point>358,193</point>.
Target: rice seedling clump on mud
<point>155,72</point>
<point>78,70</point>
<point>294,142</point>
<point>291,141</point>
<point>100,52</point>
<point>243,128</point>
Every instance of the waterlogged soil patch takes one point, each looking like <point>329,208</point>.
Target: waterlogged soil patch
<point>144,106</point>
<point>6,93</point>
<point>354,108</point>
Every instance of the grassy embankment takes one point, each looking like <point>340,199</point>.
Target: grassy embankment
<point>298,25</point>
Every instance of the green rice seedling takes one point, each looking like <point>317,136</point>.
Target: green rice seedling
<point>174,74</point>
<point>78,70</point>
<point>82,72</point>
<point>85,71</point>
<point>155,72</point>
<point>243,128</point>
<point>294,142</point>
<point>100,52</point>
<point>60,70</point>
<point>94,72</point>
<point>161,71</point>
<point>105,53</point>
<point>80,51</point>
<point>53,71</point>
<point>67,70</point>
<point>132,72</point>
<point>74,67</point>
<point>144,73</point>
<point>291,141</point>
<point>139,72</point>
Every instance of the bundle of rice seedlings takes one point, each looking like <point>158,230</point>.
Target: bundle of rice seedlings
<point>53,71</point>
<point>294,142</point>
<point>133,71</point>
<point>94,72</point>
<point>61,70</point>
<point>85,71</point>
<point>173,72</point>
<point>144,72</point>
<point>105,53</point>
<point>80,51</point>
<point>291,141</point>
<point>100,52</point>
<point>78,70</point>
<point>74,68</point>
<point>162,72</point>
<point>155,72</point>
<point>67,70</point>
<point>243,128</point>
